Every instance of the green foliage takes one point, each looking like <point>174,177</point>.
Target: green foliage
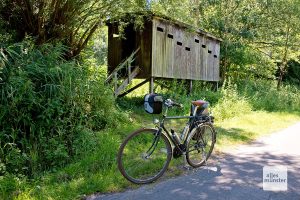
<point>263,95</point>
<point>7,186</point>
<point>5,36</point>
<point>231,100</point>
<point>231,104</point>
<point>293,73</point>
<point>249,47</point>
<point>70,22</point>
<point>49,108</point>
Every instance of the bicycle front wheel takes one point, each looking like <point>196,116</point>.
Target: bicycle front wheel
<point>200,144</point>
<point>144,156</point>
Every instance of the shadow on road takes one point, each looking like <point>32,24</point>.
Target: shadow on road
<point>234,175</point>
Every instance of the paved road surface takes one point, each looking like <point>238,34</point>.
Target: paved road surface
<point>236,174</point>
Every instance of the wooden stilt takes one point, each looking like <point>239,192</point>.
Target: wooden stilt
<point>151,87</point>
<point>191,87</point>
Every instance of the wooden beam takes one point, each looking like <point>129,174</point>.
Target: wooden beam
<point>115,81</point>
<point>151,87</point>
<point>133,88</point>
<point>191,87</point>
<point>125,63</point>
<point>127,81</point>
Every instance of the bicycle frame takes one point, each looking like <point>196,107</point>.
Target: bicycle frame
<point>162,127</point>
<point>159,146</point>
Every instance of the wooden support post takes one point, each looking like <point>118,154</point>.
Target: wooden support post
<point>217,85</point>
<point>129,69</point>
<point>191,87</point>
<point>151,86</point>
<point>116,81</point>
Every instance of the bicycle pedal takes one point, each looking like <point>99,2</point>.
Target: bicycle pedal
<point>205,161</point>
<point>187,167</point>
<point>185,163</point>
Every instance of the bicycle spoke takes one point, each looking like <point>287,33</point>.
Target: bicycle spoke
<point>200,145</point>
<point>144,156</point>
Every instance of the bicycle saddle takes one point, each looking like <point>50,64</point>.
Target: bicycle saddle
<point>199,103</point>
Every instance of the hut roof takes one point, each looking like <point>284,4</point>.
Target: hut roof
<point>148,15</point>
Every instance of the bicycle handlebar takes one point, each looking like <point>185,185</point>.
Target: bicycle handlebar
<point>171,103</point>
<point>177,104</point>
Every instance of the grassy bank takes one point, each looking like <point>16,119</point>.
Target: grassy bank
<point>244,129</point>
<point>97,172</point>
<point>243,111</point>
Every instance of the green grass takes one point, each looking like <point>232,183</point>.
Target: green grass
<point>242,115</point>
<point>97,172</point>
<point>246,128</point>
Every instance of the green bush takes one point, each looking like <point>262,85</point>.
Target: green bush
<point>293,73</point>
<point>49,108</point>
<point>263,95</point>
<point>231,104</point>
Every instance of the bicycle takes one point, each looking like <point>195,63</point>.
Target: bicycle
<point>145,154</point>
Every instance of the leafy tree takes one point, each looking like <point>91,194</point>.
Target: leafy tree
<point>293,72</point>
<point>71,22</point>
<point>279,33</point>
<point>236,22</point>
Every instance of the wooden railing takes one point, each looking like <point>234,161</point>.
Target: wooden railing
<point>131,73</point>
<point>126,63</point>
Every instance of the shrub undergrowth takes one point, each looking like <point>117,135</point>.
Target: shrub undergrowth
<point>231,104</point>
<point>51,112</point>
<point>50,109</point>
<point>264,95</point>
<point>233,99</point>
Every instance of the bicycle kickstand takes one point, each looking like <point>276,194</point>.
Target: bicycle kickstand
<point>185,164</point>
<point>205,160</point>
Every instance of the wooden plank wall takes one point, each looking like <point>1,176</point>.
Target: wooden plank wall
<point>170,52</point>
<point>178,53</point>
<point>197,54</point>
<point>217,62</point>
<point>114,48</point>
<point>144,41</point>
<point>203,58</point>
<point>178,48</point>
<point>167,50</point>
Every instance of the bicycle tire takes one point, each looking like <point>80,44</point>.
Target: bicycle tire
<point>132,156</point>
<point>196,144</point>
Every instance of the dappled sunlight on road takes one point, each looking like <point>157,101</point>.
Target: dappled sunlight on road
<point>236,173</point>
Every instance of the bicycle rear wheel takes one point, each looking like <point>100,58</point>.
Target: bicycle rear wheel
<point>200,144</point>
<point>143,156</point>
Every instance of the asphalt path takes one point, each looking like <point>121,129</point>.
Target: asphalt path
<point>236,173</point>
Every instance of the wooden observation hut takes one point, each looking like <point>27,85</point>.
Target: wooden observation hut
<point>163,48</point>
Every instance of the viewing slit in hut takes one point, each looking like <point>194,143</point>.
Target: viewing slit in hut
<point>161,49</point>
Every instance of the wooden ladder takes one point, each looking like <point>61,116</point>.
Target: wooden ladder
<point>132,72</point>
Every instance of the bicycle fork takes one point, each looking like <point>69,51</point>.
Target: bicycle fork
<point>154,144</point>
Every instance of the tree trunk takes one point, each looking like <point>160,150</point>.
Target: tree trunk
<point>279,81</point>
<point>282,71</point>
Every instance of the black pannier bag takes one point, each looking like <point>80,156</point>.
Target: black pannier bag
<point>153,103</point>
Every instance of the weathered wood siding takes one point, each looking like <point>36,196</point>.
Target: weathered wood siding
<point>178,53</point>
<point>114,48</point>
<point>159,46</point>
<point>167,50</point>
<point>217,62</point>
<point>170,52</point>
<point>144,58</point>
<point>121,48</point>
